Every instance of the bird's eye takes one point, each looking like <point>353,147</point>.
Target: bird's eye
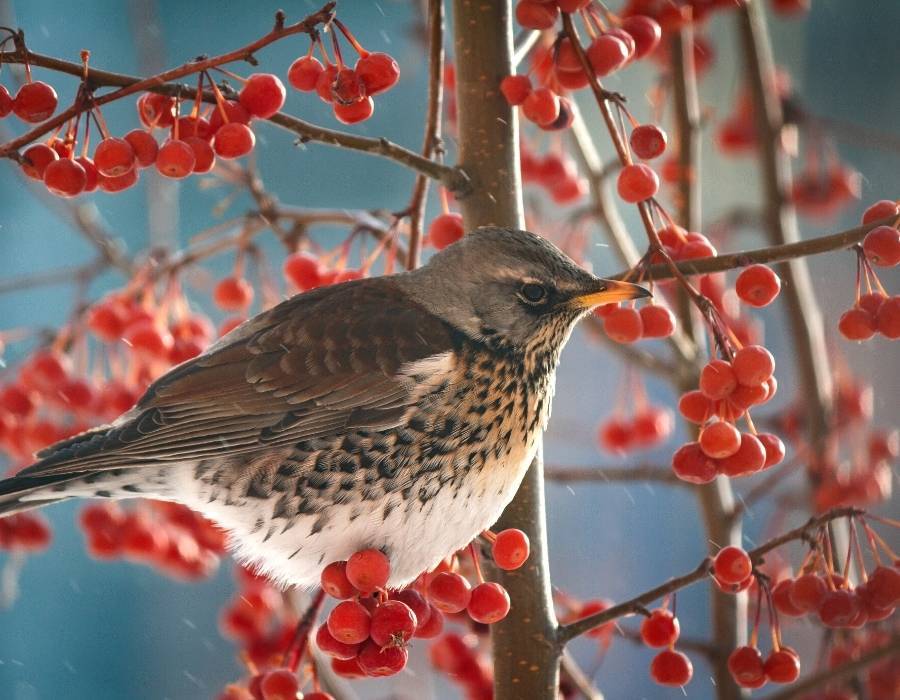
<point>533,293</point>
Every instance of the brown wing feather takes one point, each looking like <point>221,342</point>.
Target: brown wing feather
<point>309,367</point>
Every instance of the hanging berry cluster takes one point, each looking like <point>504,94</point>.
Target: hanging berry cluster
<point>646,427</point>
<point>348,90</point>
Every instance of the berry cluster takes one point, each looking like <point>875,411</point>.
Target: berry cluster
<point>647,425</point>
<point>669,667</point>
<point>348,90</point>
<point>167,536</point>
<point>367,633</point>
<point>627,324</point>
<point>24,532</point>
<point>875,312</point>
<point>728,389</point>
<point>461,660</point>
<point>555,173</point>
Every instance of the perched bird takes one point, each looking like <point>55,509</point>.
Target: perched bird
<point>397,413</point>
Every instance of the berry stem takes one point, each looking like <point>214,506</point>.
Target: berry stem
<point>304,626</point>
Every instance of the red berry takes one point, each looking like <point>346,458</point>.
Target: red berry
<point>750,457</point>
<point>334,581</point>
<point>349,622</point>
<point>510,549</point>
<point>746,667</point>
<point>90,173</point>
<point>720,439</point>
<point>331,646</point>
<point>651,425</point>
<point>144,146</point>
<point>571,6</point>
<point>6,102</point>
<point>753,365</point>
<point>882,246</point>
<point>368,570</point>
<point>624,325</point>
<point>782,666</point>
<point>263,95</point>
<point>354,112</point>
<point>156,111</point>
<point>535,14</point>
<point>36,158</point>
<point>838,608</point>
<point>781,597</point>
<point>445,229</point>
<point>489,603</point>
<point>114,157</point>
<point>648,141</point>
<point>615,436</point>
<point>324,83</point>
<point>204,155</point>
<point>670,667</point>
<point>660,628</point>
<point>280,684</point>
<point>695,406</point>
<point>607,53</point>
<point>646,33</point>
<point>717,380</point>
<point>515,88</point>
<point>175,159</point>
<point>192,126</point>
<point>378,72</point>
<point>417,603</point>
<point>303,271</point>
<point>774,449</point>
<point>732,565</point>
<point>233,294</point>
<point>432,626</point>
<point>857,324</point>
<point>234,112</point>
<point>807,592</point>
<point>882,209</point>
<point>541,106</point>
<point>376,661</point>
<point>347,669</point>
<point>757,285</point>
<point>449,592</point>
<point>234,140</point>
<point>35,102</point>
<point>637,183</point>
<point>691,464</point>
<point>304,73</point>
<point>118,183</point>
<point>657,321</point>
<point>393,624</point>
<point>347,88</point>
<point>65,177</point>
<point>884,587</point>
<point>148,340</point>
<point>888,318</point>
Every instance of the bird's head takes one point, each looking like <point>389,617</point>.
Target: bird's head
<point>514,287</point>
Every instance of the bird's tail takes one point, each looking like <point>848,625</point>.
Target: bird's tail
<point>18,494</point>
<point>48,480</point>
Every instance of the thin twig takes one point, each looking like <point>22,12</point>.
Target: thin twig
<point>431,141</point>
<point>571,671</point>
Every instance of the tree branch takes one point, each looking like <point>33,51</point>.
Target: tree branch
<point>573,629</point>
<point>769,254</point>
<point>641,472</point>
<point>452,178</point>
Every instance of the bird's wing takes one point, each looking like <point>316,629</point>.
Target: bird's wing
<point>313,366</point>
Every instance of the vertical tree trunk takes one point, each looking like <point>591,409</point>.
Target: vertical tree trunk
<point>526,653</point>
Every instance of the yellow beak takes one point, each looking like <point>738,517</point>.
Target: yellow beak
<point>610,292</point>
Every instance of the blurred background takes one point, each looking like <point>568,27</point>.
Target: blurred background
<point>85,629</point>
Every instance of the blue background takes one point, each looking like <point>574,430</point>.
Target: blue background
<point>84,629</point>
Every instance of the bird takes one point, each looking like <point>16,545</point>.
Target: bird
<point>397,413</point>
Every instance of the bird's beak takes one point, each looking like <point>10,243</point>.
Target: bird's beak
<point>609,292</point>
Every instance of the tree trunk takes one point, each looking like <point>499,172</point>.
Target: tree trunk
<point>526,653</point>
